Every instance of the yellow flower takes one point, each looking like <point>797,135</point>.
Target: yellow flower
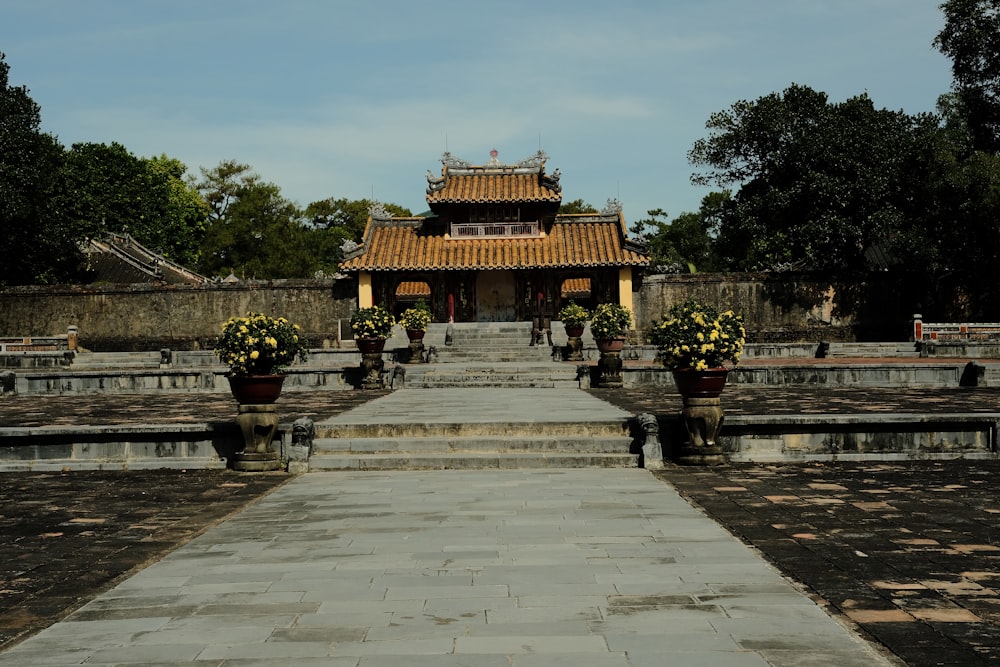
<point>701,365</point>
<point>254,354</point>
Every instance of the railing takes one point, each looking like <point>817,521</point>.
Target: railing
<point>494,230</point>
<point>40,343</point>
<point>927,331</point>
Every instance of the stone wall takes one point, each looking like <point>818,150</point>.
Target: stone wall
<point>183,317</point>
<point>776,308</point>
<point>786,307</point>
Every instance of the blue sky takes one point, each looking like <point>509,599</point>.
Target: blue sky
<point>359,99</point>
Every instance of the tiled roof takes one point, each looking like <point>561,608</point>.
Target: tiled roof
<point>413,289</point>
<point>573,241</point>
<point>575,287</point>
<point>493,187</point>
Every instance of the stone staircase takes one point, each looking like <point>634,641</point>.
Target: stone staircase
<point>97,361</point>
<point>493,354</point>
<point>542,435</point>
<point>873,350</point>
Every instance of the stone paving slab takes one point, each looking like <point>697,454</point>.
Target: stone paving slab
<point>909,552</point>
<point>365,568</point>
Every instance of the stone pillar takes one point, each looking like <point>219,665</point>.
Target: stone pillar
<point>652,450</point>
<point>702,419</point>
<point>259,424</point>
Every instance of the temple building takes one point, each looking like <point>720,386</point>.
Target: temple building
<point>495,248</point>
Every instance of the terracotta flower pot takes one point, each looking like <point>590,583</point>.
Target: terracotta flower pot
<point>415,334</point>
<point>708,383</point>
<point>610,344</point>
<point>370,345</point>
<point>256,389</point>
<point>574,331</point>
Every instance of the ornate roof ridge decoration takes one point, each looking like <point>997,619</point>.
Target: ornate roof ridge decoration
<point>571,218</point>
<point>533,165</point>
<point>378,211</point>
<point>349,249</point>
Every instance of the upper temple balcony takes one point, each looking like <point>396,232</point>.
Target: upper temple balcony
<point>495,230</point>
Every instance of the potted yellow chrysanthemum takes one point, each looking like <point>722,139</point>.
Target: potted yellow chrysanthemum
<point>699,344</point>
<point>372,325</point>
<point>258,348</point>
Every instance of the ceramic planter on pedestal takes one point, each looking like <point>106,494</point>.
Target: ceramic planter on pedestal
<point>609,366</point>
<point>702,414</point>
<point>416,350</point>
<point>372,364</point>
<point>574,342</point>
<point>258,420</point>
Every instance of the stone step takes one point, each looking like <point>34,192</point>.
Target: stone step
<point>470,461</point>
<point>477,444</point>
<point>873,350</point>
<point>483,429</point>
<point>470,444</point>
<point>496,373</point>
<point>103,360</point>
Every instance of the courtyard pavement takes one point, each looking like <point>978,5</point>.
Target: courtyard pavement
<point>607,566</point>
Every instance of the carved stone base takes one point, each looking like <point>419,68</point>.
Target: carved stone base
<point>574,349</point>
<point>259,424</point>
<point>702,419</point>
<point>609,369</point>
<point>372,366</point>
<point>416,353</point>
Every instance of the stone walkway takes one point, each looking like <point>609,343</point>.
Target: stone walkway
<point>568,567</point>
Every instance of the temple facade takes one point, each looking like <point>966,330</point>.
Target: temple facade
<point>495,248</point>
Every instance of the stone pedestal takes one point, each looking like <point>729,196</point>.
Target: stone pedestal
<point>416,353</point>
<point>702,419</point>
<point>574,349</point>
<point>372,366</point>
<point>609,370</point>
<point>259,424</point>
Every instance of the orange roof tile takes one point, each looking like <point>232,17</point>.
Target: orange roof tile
<point>413,289</point>
<point>573,241</point>
<point>487,187</point>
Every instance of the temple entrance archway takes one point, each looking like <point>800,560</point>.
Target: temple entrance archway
<point>496,294</point>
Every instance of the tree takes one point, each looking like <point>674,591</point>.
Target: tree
<point>971,39</point>
<point>108,189</point>
<point>819,184</point>
<point>340,220</point>
<point>186,213</point>
<point>254,232</point>
<point>684,244</point>
<point>40,244</point>
<point>576,206</point>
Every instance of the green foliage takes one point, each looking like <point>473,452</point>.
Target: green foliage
<point>259,345</point>
<point>253,231</point>
<point>610,320</point>
<point>971,39</point>
<point>574,315</point>
<point>108,189</point>
<point>576,206</point>
<point>687,242</point>
<point>821,184</point>
<point>338,220</point>
<point>372,322</point>
<point>40,244</point>
<point>693,335</point>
